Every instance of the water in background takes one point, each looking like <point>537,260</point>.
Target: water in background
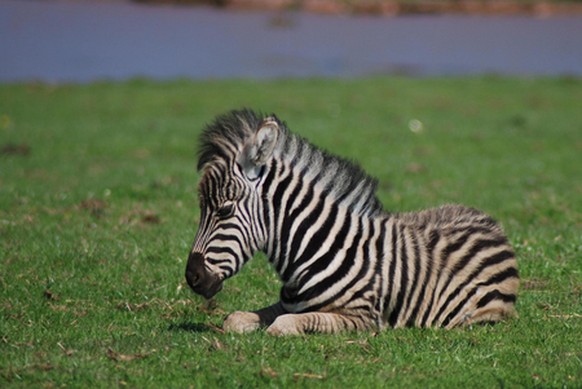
<point>86,41</point>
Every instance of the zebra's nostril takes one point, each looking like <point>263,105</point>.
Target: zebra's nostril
<point>192,278</point>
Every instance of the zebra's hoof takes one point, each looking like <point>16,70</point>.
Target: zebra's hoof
<point>283,326</point>
<point>241,322</point>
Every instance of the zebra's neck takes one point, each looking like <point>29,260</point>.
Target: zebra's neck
<point>312,201</point>
<point>337,178</point>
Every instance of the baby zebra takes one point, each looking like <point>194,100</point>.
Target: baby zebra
<point>345,264</point>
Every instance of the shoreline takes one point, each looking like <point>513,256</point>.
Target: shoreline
<point>390,8</point>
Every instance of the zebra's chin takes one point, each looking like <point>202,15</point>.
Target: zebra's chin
<point>208,292</point>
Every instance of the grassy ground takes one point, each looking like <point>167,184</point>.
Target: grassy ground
<point>98,210</point>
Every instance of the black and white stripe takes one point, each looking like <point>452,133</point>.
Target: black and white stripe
<point>317,218</point>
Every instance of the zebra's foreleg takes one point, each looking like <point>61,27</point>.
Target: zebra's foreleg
<point>242,322</point>
<point>315,322</point>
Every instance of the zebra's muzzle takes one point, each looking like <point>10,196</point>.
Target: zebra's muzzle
<point>199,279</point>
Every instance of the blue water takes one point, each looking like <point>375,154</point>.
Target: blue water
<point>87,41</point>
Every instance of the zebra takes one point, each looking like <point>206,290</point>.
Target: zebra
<point>345,264</point>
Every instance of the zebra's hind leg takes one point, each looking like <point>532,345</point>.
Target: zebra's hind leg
<point>242,322</point>
<point>315,322</point>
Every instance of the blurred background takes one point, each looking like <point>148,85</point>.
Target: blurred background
<point>85,41</point>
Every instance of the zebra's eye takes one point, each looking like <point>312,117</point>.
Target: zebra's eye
<point>227,210</point>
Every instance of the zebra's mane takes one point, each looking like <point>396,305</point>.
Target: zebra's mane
<point>345,180</point>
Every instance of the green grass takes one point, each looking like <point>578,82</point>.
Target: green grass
<point>98,210</point>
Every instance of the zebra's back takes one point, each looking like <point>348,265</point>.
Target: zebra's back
<point>452,266</point>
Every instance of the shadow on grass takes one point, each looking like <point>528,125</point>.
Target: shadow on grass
<point>193,327</point>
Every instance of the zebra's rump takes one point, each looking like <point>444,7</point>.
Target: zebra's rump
<point>463,272</point>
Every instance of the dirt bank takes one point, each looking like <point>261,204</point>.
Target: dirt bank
<point>394,8</point>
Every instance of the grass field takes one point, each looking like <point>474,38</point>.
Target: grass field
<point>98,210</point>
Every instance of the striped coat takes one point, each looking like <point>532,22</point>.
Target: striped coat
<point>345,264</point>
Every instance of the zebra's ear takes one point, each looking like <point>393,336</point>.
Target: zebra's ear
<point>259,148</point>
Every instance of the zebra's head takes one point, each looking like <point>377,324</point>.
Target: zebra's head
<point>234,155</point>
